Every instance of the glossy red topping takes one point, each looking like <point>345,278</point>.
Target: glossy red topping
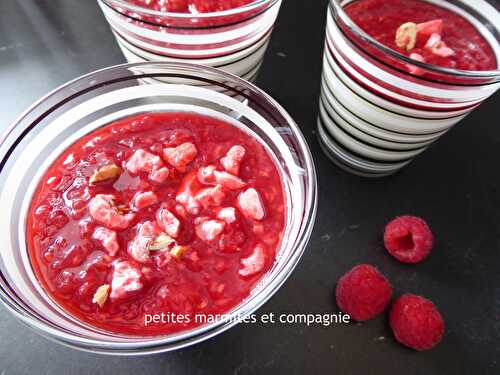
<point>443,38</point>
<point>159,213</point>
<point>190,6</point>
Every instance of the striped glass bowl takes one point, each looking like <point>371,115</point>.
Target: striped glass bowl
<point>57,120</point>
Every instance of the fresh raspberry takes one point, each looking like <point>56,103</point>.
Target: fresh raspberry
<point>416,322</point>
<point>408,239</point>
<point>206,6</point>
<point>363,292</point>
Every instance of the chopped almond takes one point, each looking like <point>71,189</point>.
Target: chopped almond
<point>101,295</point>
<point>177,251</point>
<point>106,173</point>
<point>161,242</point>
<point>406,35</point>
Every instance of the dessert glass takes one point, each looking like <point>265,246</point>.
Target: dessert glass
<point>233,40</point>
<point>54,122</point>
<point>375,117</point>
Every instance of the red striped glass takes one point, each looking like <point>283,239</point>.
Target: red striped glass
<point>375,116</point>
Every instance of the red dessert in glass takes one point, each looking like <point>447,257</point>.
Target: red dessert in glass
<point>442,38</point>
<point>232,35</point>
<point>398,74</point>
<point>170,213</point>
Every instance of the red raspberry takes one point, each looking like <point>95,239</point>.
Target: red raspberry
<point>363,292</point>
<point>408,239</point>
<point>416,322</point>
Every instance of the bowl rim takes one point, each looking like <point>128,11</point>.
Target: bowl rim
<point>148,345</point>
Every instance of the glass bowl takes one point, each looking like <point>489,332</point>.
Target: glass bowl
<point>54,122</point>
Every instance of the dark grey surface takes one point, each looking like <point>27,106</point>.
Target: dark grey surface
<point>454,185</point>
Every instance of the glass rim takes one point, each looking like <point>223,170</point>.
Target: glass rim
<point>162,343</point>
<point>229,12</point>
<point>335,4</point>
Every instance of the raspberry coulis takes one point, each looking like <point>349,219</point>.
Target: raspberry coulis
<point>200,13</point>
<point>209,188</point>
<point>190,6</point>
<point>381,18</point>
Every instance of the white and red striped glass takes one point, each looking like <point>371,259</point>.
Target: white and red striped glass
<point>234,40</point>
<point>375,115</point>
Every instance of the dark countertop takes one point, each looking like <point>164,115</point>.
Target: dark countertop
<point>44,43</point>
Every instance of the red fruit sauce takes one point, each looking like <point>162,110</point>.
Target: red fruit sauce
<point>381,18</point>
<point>189,168</point>
<point>204,13</point>
<point>190,6</point>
